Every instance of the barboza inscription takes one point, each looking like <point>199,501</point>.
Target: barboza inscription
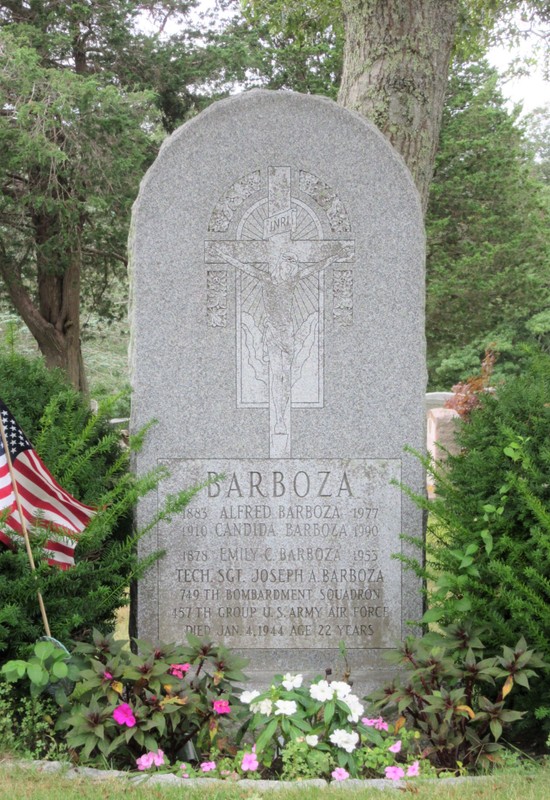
<point>280,256</point>
<point>297,556</point>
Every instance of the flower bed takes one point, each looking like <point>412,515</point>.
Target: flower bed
<point>178,711</point>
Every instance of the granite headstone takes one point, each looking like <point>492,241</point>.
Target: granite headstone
<point>277,259</point>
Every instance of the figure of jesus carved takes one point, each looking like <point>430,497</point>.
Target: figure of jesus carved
<point>280,265</point>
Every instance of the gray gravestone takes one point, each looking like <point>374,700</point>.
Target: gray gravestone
<point>278,338</point>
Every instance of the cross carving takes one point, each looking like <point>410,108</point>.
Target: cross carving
<point>280,263</point>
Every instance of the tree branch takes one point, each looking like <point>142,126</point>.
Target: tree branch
<point>92,251</point>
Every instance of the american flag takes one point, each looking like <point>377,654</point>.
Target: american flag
<point>43,501</point>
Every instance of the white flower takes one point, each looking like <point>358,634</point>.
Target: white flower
<point>355,707</point>
<point>341,688</point>
<point>321,691</point>
<point>264,707</point>
<point>292,681</point>
<point>312,740</point>
<point>286,707</point>
<point>248,697</point>
<point>347,740</point>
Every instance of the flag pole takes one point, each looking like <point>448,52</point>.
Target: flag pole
<point>24,526</point>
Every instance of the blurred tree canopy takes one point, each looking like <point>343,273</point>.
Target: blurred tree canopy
<point>488,266</point>
<point>89,90</point>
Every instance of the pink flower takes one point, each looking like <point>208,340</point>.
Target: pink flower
<point>221,706</point>
<point>124,715</point>
<point>395,748</point>
<point>184,767</point>
<point>377,723</point>
<point>179,670</point>
<point>413,770</point>
<point>394,773</point>
<point>249,762</point>
<point>145,761</point>
<point>208,766</point>
<point>340,774</point>
<point>107,676</point>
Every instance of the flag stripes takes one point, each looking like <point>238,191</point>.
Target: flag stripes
<point>43,501</point>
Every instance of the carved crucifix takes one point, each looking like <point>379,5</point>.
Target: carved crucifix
<point>278,267</point>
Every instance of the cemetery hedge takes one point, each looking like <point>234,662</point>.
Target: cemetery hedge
<point>490,551</point>
<point>85,455</point>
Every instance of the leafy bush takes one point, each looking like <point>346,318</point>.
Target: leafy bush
<point>114,703</point>
<point>489,549</point>
<point>442,695</point>
<point>86,456</point>
<point>28,387</point>
<point>165,696</point>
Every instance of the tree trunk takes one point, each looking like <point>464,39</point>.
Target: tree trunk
<point>396,60</point>
<point>56,323</point>
<point>63,315</point>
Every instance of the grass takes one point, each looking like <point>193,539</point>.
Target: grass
<point>19,784</point>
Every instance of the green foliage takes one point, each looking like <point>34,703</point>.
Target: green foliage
<point>300,761</point>
<point>85,454</point>
<point>293,45</point>
<point>537,125</point>
<point>512,350</point>
<point>86,97</point>
<point>126,44</point>
<point>28,387</point>
<point>73,148</point>
<point>483,23</point>
<point>47,666</point>
<point>27,726</point>
<point>120,703</point>
<point>487,235</point>
<point>489,539</point>
<point>306,27</point>
<point>442,694</point>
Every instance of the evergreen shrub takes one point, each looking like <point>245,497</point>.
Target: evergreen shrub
<point>27,387</point>
<point>488,555</point>
<point>86,456</point>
